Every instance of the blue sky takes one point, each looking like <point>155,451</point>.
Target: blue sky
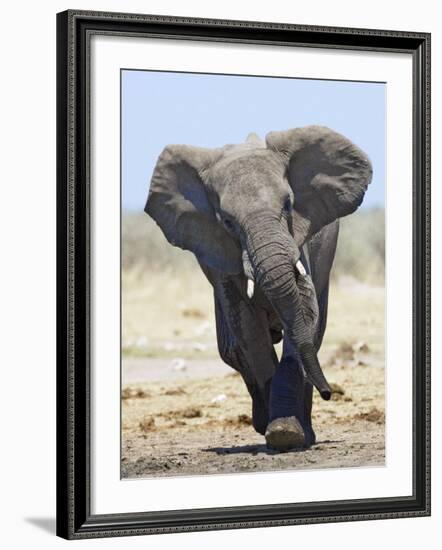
<point>160,108</point>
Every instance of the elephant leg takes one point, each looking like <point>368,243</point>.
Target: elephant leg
<point>321,254</point>
<point>291,394</point>
<point>244,339</point>
<point>309,433</point>
<point>290,421</point>
<point>241,360</point>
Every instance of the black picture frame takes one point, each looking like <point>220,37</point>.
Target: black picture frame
<point>74,518</point>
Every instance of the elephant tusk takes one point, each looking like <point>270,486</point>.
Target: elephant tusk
<point>250,288</point>
<point>301,268</point>
<point>247,266</point>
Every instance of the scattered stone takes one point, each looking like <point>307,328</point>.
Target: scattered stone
<point>177,423</point>
<point>349,355</point>
<point>134,393</point>
<point>219,398</point>
<point>361,347</point>
<point>178,364</point>
<point>175,391</point>
<point>241,420</point>
<point>192,412</point>
<point>147,424</point>
<point>193,312</point>
<point>345,351</point>
<point>245,419</point>
<point>373,415</point>
<point>337,392</point>
<point>237,421</point>
<point>198,346</point>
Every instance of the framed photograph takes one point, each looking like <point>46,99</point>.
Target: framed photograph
<point>243,274</point>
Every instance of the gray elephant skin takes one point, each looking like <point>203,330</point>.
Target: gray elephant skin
<point>262,220</point>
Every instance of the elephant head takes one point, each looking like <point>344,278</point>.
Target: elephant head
<point>249,209</point>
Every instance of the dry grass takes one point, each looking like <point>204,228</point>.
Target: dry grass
<point>356,314</point>
<point>361,247</point>
<point>168,304</point>
<point>156,318</point>
<point>360,253</point>
<point>157,322</point>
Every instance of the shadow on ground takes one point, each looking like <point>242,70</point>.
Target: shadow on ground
<point>259,449</point>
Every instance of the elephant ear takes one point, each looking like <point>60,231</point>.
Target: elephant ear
<point>178,202</point>
<point>328,174</point>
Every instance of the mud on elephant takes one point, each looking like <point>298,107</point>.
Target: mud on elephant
<point>262,221</point>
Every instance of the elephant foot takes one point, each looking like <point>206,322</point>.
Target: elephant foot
<point>285,433</point>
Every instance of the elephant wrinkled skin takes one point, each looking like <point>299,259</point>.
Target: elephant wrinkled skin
<point>262,220</point>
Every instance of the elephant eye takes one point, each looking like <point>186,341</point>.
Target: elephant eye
<point>288,205</point>
<point>228,224</point>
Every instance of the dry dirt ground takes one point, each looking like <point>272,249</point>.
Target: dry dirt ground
<point>195,418</point>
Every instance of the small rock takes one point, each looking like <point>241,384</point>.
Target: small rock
<point>345,351</point>
<point>175,391</point>
<point>192,412</point>
<point>176,423</point>
<point>373,415</point>
<point>361,347</point>
<point>198,346</point>
<point>219,398</point>
<point>178,364</point>
<point>192,312</point>
<point>337,392</point>
<point>244,419</point>
<point>132,393</point>
<point>127,393</point>
<point>142,342</point>
<point>147,424</point>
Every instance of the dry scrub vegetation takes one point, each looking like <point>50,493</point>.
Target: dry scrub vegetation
<point>360,253</point>
<point>185,412</point>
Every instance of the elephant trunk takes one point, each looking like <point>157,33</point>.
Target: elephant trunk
<point>314,372</point>
<point>273,255</point>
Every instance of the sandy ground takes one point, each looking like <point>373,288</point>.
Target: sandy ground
<point>193,418</point>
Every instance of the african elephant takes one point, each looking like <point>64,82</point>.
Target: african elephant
<point>262,221</point>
